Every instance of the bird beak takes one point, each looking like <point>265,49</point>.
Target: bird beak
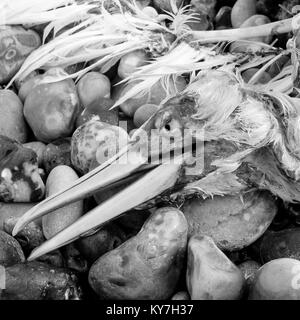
<point>130,160</point>
<point>149,186</point>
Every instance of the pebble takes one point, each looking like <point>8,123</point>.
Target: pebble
<point>16,44</point>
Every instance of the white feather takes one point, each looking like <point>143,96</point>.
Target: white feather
<point>104,37</point>
<point>14,12</point>
<point>180,60</point>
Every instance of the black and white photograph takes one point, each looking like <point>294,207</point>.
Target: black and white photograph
<point>149,153</point>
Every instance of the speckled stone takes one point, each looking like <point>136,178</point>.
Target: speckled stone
<point>16,44</point>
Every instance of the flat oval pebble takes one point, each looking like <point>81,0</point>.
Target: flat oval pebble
<point>147,266</point>
<point>233,223</point>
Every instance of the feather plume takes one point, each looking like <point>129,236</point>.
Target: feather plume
<point>34,12</point>
<point>249,116</point>
<point>104,37</point>
<point>180,60</point>
<point>215,184</point>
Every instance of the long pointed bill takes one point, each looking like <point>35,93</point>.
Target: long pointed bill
<point>100,177</point>
<point>146,188</point>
